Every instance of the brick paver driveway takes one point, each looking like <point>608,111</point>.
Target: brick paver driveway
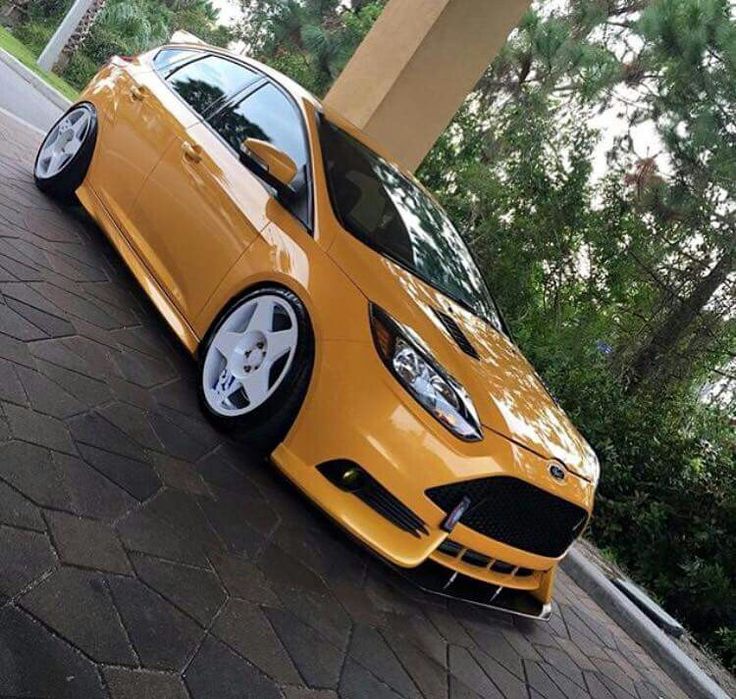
<point>143,555</point>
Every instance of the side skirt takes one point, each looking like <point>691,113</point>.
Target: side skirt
<point>91,202</point>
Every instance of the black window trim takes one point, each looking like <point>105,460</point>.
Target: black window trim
<point>309,176</point>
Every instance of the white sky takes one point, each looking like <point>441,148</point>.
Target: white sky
<point>229,10</point>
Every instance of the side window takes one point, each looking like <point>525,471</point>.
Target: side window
<point>166,59</point>
<point>204,82</point>
<point>266,114</point>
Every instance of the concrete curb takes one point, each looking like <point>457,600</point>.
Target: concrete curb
<point>38,83</point>
<point>667,654</point>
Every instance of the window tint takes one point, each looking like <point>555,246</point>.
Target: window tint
<point>268,115</point>
<point>204,82</point>
<point>167,58</point>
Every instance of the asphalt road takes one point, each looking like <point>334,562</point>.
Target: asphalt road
<point>20,98</point>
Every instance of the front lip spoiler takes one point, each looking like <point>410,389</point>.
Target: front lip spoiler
<point>435,579</point>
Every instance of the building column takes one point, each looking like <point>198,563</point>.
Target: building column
<point>80,15</point>
<point>416,66</point>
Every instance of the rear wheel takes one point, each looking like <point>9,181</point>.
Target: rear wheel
<point>255,366</point>
<point>65,154</point>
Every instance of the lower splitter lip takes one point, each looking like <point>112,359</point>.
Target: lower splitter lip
<point>435,579</point>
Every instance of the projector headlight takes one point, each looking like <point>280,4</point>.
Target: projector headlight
<point>423,377</point>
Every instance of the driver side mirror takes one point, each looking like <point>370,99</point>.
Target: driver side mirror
<point>268,162</point>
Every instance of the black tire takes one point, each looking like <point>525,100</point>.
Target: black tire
<point>266,426</point>
<point>65,183</point>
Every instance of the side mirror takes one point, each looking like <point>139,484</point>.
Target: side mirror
<point>268,162</point>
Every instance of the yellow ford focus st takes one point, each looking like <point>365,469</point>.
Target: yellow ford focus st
<point>338,318</point>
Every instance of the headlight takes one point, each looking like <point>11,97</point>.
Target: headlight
<point>429,383</point>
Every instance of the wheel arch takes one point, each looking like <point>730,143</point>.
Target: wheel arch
<point>337,310</point>
<point>249,287</point>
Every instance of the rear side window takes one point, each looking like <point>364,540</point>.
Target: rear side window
<point>168,58</point>
<point>209,80</point>
<point>266,114</point>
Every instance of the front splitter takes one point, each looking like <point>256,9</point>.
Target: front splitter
<point>438,580</point>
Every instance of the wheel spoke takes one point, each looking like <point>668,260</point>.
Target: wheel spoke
<point>256,384</point>
<point>51,141</point>
<point>262,318</point>
<point>79,127</point>
<point>57,160</point>
<point>280,343</point>
<point>73,146</point>
<point>227,344</point>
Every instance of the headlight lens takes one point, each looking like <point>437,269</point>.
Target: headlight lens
<point>430,385</point>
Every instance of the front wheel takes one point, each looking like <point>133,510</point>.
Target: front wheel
<point>255,365</point>
<point>65,154</point>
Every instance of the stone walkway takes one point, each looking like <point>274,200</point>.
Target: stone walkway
<point>143,555</point>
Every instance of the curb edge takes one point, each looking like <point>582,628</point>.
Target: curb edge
<point>53,95</point>
<point>682,669</point>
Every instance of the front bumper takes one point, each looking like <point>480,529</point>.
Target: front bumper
<point>356,411</point>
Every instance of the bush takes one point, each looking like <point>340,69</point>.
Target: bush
<point>666,505</point>
<point>35,35</point>
<point>80,70</point>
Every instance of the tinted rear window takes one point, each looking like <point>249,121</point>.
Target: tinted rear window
<point>168,58</point>
<point>210,79</point>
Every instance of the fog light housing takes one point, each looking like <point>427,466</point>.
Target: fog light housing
<point>344,474</point>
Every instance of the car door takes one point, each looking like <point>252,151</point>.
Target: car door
<point>138,129</point>
<point>201,207</point>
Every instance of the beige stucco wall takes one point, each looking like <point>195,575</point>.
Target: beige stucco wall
<point>415,67</point>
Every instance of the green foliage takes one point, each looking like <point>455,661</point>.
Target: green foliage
<point>35,35</point>
<point>123,27</point>
<point>308,40</point>
<point>80,69</point>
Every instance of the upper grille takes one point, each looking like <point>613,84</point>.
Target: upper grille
<point>456,333</point>
<point>516,513</point>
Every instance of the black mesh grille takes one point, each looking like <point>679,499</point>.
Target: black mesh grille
<point>458,335</point>
<point>515,513</point>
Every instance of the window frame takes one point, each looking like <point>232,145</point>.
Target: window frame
<point>220,101</point>
<point>196,54</point>
<point>244,93</point>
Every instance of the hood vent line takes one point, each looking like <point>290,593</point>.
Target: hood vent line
<point>456,333</point>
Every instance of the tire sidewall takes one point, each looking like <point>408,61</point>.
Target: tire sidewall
<point>66,182</point>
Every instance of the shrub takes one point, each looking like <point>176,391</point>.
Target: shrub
<point>80,70</point>
<point>35,35</point>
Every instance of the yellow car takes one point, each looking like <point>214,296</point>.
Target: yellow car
<point>338,319</point>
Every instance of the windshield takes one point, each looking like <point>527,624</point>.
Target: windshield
<point>390,213</point>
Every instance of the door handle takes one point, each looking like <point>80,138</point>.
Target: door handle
<point>191,153</point>
<point>137,93</point>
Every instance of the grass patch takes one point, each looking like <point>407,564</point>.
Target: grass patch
<point>15,48</point>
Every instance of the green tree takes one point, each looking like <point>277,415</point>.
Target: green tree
<point>309,40</point>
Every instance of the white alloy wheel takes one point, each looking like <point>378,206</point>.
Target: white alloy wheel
<point>249,355</point>
<point>63,142</point>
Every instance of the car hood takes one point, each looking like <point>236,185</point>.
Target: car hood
<point>509,396</point>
